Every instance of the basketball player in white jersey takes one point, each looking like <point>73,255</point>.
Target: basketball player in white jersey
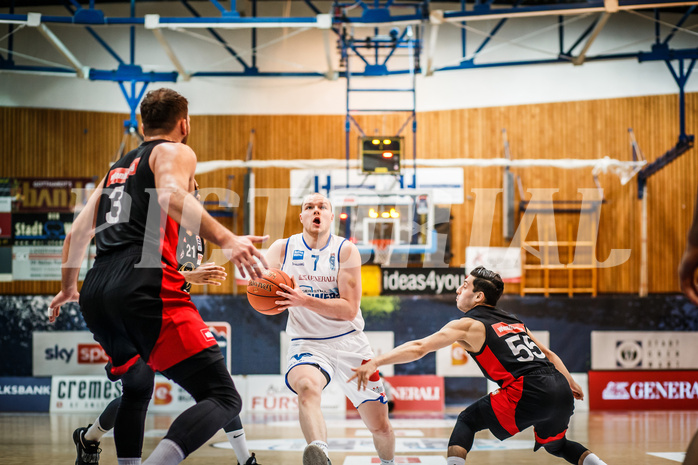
<point>326,329</point>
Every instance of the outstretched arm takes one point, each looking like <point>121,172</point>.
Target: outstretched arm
<point>173,166</point>
<point>414,350</point>
<point>74,245</point>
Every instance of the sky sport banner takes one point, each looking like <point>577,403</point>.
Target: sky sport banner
<point>67,353</point>
<point>644,350</point>
<point>421,281</point>
<point>77,353</point>
<point>643,390</point>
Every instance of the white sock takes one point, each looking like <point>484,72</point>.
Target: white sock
<point>592,459</point>
<point>167,452</point>
<point>322,445</point>
<point>133,461</point>
<point>453,460</point>
<point>237,440</point>
<point>95,432</point>
<point>388,462</point>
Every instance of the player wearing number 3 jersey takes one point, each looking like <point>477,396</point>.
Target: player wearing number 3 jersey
<point>535,388</point>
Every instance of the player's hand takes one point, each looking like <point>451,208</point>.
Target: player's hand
<point>63,297</point>
<point>577,390</point>
<point>293,296</point>
<point>245,256</point>
<point>687,273</point>
<point>208,273</point>
<point>362,373</point>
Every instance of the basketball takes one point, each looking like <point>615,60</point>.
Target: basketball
<point>261,292</point>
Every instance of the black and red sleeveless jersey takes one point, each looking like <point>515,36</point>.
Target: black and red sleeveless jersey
<point>129,214</point>
<point>508,352</point>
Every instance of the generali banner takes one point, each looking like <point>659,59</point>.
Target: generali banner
<point>643,390</point>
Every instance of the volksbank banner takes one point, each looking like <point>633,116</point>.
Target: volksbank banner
<point>429,281</point>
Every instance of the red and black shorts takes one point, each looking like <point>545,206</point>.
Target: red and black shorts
<point>143,312</point>
<point>542,399</point>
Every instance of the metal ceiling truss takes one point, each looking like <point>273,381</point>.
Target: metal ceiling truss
<point>348,21</point>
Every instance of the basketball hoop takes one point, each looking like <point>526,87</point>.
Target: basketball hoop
<point>381,251</point>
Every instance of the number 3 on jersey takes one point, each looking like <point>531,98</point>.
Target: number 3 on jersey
<point>523,348</point>
<point>115,211</point>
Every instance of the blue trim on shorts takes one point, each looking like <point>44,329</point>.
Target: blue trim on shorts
<point>321,338</point>
<point>381,399</point>
<point>322,370</point>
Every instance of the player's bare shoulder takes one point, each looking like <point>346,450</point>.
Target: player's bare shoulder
<point>349,255</point>
<point>172,152</point>
<point>275,253</point>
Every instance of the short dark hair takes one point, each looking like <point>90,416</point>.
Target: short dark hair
<point>489,283</point>
<point>161,109</point>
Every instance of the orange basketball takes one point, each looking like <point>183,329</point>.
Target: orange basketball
<point>261,292</point>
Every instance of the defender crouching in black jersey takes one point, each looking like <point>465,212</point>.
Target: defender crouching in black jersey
<point>535,388</point>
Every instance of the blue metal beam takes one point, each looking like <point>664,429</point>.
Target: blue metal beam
<point>683,19</point>
<point>99,39</point>
<point>583,36</point>
<point>127,73</point>
<point>10,66</point>
<point>218,37</point>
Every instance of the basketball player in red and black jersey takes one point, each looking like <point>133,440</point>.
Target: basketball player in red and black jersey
<point>535,387</point>
<point>132,298</point>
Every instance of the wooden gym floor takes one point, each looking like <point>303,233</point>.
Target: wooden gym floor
<point>619,438</point>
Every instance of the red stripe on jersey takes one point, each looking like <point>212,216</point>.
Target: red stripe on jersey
<point>494,368</point>
<point>539,440</point>
<point>119,175</point>
<point>504,402</point>
<point>502,329</point>
<point>183,333</point>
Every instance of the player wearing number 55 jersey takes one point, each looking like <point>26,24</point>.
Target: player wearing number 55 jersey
<point>535,388</point>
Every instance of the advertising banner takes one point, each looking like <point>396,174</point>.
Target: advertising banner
<point>77,353</point>
<point>270,394</point>
<point>66,353</point>
<point>643,390</point>
<point>51,194</point>
<point>455,361</point>
<point>416,281</point>
<point>24,394</point>
<point>644,350</point>
<point>82,393</point>
<point>423,393</point>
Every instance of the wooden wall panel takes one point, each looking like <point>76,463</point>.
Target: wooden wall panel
<point>53,143</point>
